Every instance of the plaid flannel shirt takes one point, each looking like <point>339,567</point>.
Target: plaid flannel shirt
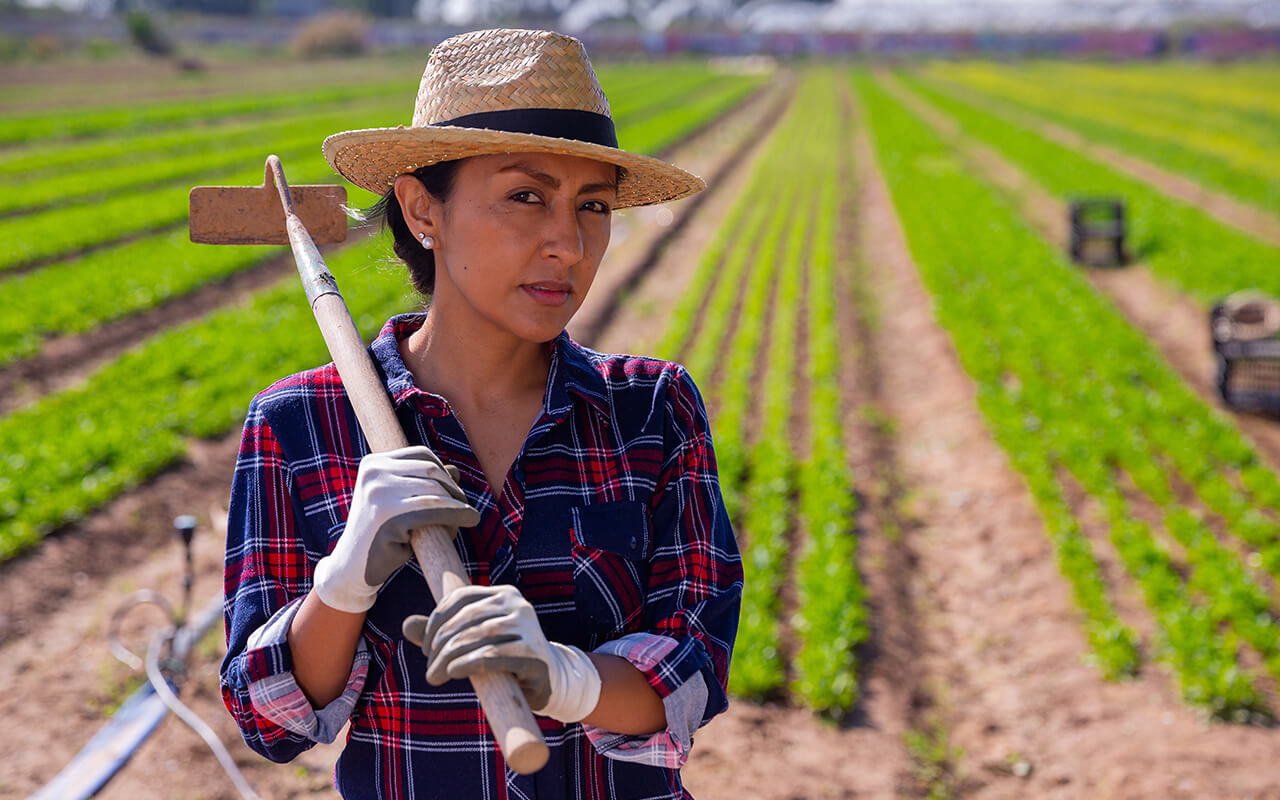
<point>610,522</point>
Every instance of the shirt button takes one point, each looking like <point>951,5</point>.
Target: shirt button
<point>633,543</point>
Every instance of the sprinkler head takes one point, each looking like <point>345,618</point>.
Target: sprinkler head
<point>186,525</point>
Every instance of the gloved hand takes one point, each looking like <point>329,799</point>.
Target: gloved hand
<point>396,491</point>
<point>493,628</point>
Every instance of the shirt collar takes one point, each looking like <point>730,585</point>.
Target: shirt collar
<point>574,370</point>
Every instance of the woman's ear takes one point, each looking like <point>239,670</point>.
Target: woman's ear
<point>417,205</point>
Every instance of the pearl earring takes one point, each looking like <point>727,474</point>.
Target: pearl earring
<point>427,241</point>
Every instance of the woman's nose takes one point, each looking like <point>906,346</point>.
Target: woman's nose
<point>563,234</point>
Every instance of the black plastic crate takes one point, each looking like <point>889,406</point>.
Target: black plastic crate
<point>1097,231</point>
<point>1246,339</point>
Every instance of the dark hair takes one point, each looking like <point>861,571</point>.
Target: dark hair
<point>438,179</point>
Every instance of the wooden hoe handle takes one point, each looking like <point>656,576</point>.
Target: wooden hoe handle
<point>504,705</point>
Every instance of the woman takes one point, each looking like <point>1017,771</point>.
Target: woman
<point>605,572</point>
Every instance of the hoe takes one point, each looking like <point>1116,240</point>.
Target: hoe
<point>274,214</point>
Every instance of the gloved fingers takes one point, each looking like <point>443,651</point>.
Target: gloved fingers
<point>476,622</point>
<point>452,603</point>
<point>413,452</point>
<point>417,629</point>
<point>406,475</point>
<point>456,601</point>
<point>491,657</point>
<point>414,460</point>
<point>395,462</point>
<point>442,477</point>
<point>439,663</point>
<point>426,510</point>
<point>414,628</point>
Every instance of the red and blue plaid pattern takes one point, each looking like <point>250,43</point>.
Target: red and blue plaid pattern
<point>610,522</point>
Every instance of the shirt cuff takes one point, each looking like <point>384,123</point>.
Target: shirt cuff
<point>274,692</point>
<point>684,706</point>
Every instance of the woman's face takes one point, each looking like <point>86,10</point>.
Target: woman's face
<point>520,238</point>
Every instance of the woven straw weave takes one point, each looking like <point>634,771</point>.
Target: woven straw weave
<point>504,69</point>
<point>499,70</point>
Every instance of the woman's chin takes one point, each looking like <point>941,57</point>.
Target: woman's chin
<point>544,323</point>
<point>543,329</point>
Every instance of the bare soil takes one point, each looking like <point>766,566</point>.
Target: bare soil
<point>1260,223</point>
<point>1003,642</point>
<point>1175,323</point>
<point>640,235</point>
<point>55,601</point>
<point>973,626</point>
<point>650,238</point>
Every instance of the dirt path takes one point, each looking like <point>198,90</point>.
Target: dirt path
<point>779,752</point>
<point>1004,646</point>
<point>1175,323</point>
<point>54,603</point>
<point>1250,219</point>
<point>719,155</point>
<point>65,361</point>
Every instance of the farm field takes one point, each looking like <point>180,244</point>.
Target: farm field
<point>1001,538</point>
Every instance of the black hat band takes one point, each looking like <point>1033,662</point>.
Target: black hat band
<point>560,123</point>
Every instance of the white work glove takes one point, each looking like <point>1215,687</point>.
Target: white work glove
<point>396,491</point>
<point>478,629</point>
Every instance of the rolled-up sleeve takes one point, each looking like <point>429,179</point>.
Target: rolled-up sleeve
<point>267,574</point>
<point>693,595</point>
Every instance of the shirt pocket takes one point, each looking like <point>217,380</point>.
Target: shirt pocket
<point>610,553</point>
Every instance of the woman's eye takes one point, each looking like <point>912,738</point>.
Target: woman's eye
<point>598,206</point>
<point>520,197</point>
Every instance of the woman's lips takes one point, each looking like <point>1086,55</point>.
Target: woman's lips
<point>548,294</point>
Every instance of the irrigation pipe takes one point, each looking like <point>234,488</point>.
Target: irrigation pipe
<point>112,746</point>
<point>184,713</point>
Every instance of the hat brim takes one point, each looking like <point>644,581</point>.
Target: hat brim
<point>373,158</point>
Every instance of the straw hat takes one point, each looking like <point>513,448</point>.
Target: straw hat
<point>505,91</point>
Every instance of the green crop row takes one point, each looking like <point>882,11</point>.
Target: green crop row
<point>712,286</point>
<point>832,618</point>
<point>133,144</point>
<point>738,356</point>
<point>139,274</point>
<point>141,85</point>
<point>38,491</point>
<point>652,108</point>
<point>1181,243</point>
<point>59,232</point>
<point>124,117</point>
<point>771,463</point>
<point>1230,163</point>
<point>1245,90</point>
<point>211,156</point>
<point>79,294</point>
<point>1164,109</point>
<point>757,659</point>
<point>69,452</point>
<point>659,131</point>
<point>734,279</point>
<point>97,155</point>
<point>656,96</point>
<point>1097,409</point>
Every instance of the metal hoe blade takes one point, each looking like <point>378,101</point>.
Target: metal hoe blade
<point>254,215</point>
